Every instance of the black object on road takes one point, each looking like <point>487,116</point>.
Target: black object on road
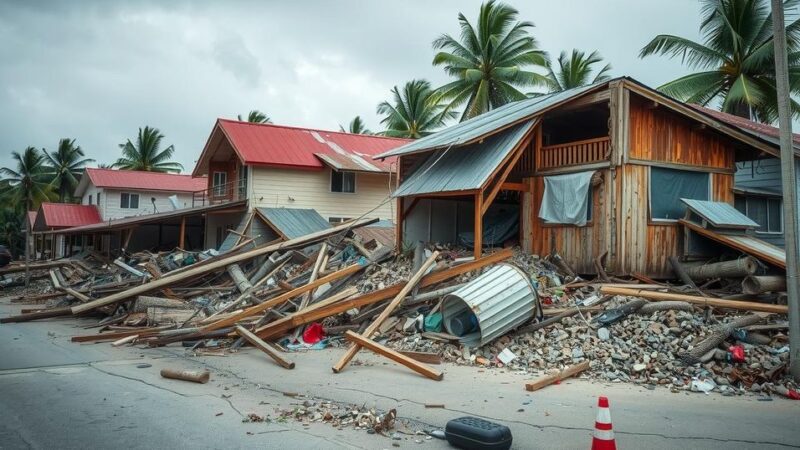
<point>472,433</point>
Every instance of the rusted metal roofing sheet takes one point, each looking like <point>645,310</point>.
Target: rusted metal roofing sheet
<point>472,129</point>
<point>294,222</point>
<point>719,214</point>
<point>464,168</point>
<point>743,243</point>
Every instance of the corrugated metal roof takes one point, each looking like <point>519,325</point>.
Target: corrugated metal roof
<point>294,222</point>
<point>63,215</point>
<point>351,163</point>
<point>748,244</point>
<point>765,191</point>
<point>463,168</point>
<point>719,214</point>
<point>277,145</point>
<point>762,130</point>
<point>474,128</point>
<point>141,180</point>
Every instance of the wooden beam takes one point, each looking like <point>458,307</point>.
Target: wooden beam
<point>274,329</point>
<point>182,234</point>
<point>264,347</point>
<point>398,357</point>
<point>729,241</point>
<point>398,232</point>
<point>695,300</point>
<point>373,327</point>
<point>217,264</point>
<point>515,156</point>
<point>519,187</point>
<point>478,244</point>
<point>556,377</point>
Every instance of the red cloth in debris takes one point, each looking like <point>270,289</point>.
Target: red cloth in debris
<point>313,333</point>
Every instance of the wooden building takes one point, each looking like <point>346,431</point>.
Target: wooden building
<point>642,151</point>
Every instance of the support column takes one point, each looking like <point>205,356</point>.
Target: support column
<point>182,235</point>
<point>478,224</point>
<point>399,226</point>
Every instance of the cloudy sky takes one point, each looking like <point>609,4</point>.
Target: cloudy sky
<point>96,72</point>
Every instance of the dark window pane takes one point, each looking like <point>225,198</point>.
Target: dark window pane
<point>757,210</point>
<point>134,201</point>
<point>774,206</point>
<point>348,182</point>
<point>740,203</point>
<point>336,181</point>
<point>669,186</point>
<point>124,200</point>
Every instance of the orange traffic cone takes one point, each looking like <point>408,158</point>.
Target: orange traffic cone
<point>603,437</point>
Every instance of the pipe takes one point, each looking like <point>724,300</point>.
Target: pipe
<point>758,284</point>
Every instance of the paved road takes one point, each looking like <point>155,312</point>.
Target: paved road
<point>55,394</point>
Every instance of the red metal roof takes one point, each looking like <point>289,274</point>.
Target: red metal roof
<point>741,122</point>
<point>279,145</point>
<point>147,181</point>
<point>68,215</point>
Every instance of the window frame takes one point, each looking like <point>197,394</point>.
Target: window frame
<point>343,172</point>
<point>219,189</point>
<point>660,221</point>
<point>130,195</point>
<point>766,198</point>
<point>90,200</point>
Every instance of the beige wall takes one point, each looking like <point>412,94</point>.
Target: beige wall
<point>270,187</point>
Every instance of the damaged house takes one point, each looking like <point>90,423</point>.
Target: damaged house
<point>295,180</point>
<point>598,174</point>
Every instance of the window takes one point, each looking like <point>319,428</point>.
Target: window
<point>767,212</point>
<point>129,201</point>
<point>343,181</point>
<point>90,199</point>
<point>218,181</point>
<point>98,199</point>
<point>669,186</point>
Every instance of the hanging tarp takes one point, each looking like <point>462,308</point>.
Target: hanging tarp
<point>566,198</point>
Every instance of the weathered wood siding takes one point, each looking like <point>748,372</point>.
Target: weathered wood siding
<point>660,137</point>
<point>577,245</point>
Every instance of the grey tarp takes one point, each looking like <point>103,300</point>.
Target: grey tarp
<point>566,198</point>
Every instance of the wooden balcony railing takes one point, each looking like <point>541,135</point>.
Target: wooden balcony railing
<point>574,153</point>
<point>224,193</point>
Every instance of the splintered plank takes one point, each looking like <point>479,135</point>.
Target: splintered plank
<point>398,357</point>
<point>264,347</point>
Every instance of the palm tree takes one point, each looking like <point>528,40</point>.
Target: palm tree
<point>65,166</point>
<point>735,62</point>
<point>489,61</point>
<point>11,230</point>
<point>576,70</point>
<point>255,116</point>
<point>27,185</point>
<point>414,112</point>
<point>356,126</point>
<point>147,154</point>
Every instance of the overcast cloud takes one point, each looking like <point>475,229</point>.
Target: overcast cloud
<point>96,71</point>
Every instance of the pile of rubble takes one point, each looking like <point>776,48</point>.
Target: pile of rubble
<point>330,289</point>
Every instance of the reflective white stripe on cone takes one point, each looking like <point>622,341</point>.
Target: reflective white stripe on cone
<point>603,436</point>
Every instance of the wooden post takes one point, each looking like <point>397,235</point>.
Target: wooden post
<point>256,342</point>
<point>399,226</point>
<point>478,224</point>
<point>411,363</point>
<point>182,236</point>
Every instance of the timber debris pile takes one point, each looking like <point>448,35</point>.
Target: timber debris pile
<point>722,328</point>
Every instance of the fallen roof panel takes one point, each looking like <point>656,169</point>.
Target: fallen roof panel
<point>719,214</point>
<point>743,243</point>
<point>294,222</point>
<point>464,168</point>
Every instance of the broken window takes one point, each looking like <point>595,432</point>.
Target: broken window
<point>669,186</point>
<point>343,181</point>
<point>129,201</point>
<point>767,212</point>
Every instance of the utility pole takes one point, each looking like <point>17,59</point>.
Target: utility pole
<point>789,186</point>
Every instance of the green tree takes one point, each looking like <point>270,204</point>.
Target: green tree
<point>414,112</point>
<point>27,185</point>
<point>65,166</point>
<point>147,154</point>
<point>356,126</point>
<point>11,231</point>
<point>735,63</point>
<point>576,70</point>
<point>255,116</point>
<point>489,62</point>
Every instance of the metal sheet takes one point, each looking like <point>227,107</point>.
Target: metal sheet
<point>294,222</point>
<point>719,214</point>
<point>464,168</point>
<point>469,130</point>
<point>501,299</point>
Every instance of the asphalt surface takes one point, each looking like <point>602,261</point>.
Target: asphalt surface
<point>56,394</point>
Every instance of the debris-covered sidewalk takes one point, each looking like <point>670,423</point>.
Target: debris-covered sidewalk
<point>506,310</point>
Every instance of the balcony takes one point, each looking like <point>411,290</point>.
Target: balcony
<point>574,153</point>
<point>223,193</point>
